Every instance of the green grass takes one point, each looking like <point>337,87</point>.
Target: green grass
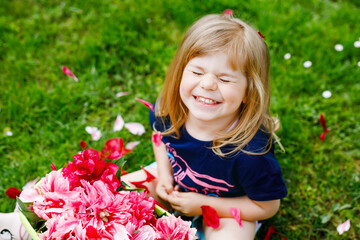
<point>114,46</point>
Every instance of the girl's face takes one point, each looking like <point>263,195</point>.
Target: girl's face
<point>212,90</point>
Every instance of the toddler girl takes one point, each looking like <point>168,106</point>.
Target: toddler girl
<point>213,115</point>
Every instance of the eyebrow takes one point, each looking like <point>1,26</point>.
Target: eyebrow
<point>196,66</point>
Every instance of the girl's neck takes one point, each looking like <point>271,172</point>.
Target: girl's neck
<point>207,131</point>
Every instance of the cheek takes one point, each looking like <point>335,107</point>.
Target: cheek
<point>234,95</point>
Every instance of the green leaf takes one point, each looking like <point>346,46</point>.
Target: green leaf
<point>120,163</point>
<point>326,218</point>
<point>35,221</point>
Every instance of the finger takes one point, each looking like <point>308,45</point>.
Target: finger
<point>161,192</point>
<point>177,188</point>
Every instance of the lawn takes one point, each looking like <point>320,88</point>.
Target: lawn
<point>126,46</point>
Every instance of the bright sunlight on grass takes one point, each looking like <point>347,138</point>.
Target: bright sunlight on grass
<point>126,46</point>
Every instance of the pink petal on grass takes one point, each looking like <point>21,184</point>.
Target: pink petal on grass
<point>53,167</point>
<point>156,138</point>
<point>343,227</point>
<point>94,132</point>
<point>228,12</point>
<point>135,128</point>
<point>68,72</point>
<point>235,212</point>
<point>132,145</point>
<point>211,218</point>
<point>149,105</point>
<point>119,123</point>
<point>121,94</point>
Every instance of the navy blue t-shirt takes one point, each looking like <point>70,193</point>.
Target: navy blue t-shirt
<point>196,168</point>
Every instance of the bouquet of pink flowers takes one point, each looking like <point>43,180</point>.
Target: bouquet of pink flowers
<point>86,200</point>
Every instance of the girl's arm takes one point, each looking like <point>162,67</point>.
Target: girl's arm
<point>165,183</point>
<point>190,203</point>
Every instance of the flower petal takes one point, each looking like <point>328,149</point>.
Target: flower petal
<point>235,212</point>
<point>68,72</point>
<point>211,218</point>
<point>326,94</point>
<point>339,47</point>
<point>53,167</point>
<point>149,105</point>
<point>82,144</point>
<point>343,227</point>
<point>135,128</point>
<point>228,12</point>
<point>132,145</point>
<point>287,56</point>
<point>119,123</point>
<point>121,94</point>
<point>94,132</point>
<point>96,135</point>
<point>12,192</point>
<point>307,64</point>
<point>156,138</point>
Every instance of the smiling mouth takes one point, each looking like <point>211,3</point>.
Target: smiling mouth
<point>207,101</point>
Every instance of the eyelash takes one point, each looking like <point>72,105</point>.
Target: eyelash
<point>200,74</point>
<point>224,81</point>
<point>197,73</point>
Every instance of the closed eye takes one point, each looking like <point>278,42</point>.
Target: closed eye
<point>197,73</point>
<point>224,80</point>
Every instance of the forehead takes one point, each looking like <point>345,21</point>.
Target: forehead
<point>222,61</point>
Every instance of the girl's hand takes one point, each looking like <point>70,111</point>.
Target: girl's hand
<point>188,203</point>
<point>164,187</point>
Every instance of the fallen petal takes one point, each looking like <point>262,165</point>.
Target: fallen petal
<point>326,94</point>
<point>149,176</point>
<point>119,123</point>
<point>132,145</point>
<point>68,72</point>
<point>262,36</point>
<point>357,44</point>
<point>343,227</point>
<point>211,218</point>
<point>156,139</point>
<point>8,133</point>
<point>307,64</point>
<point>12,192</point>
<point>322,122</point>
<point>121,94</point>
<point>96,135</point>
<point>228,12</point>
<point>149,105</point>
<point>358,64</point>
<point>135,128</point>
<point>271,231</point>
<point>339,47</point>
<point>53,167</point>
<point>235,212</point>
<point>90,130</point>
<point>82,144</point>
<point>287,56</point>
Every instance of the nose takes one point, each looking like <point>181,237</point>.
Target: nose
<point>208,82</point>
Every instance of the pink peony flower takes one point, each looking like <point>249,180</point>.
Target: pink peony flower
<point>88,166</point>
<point>57,196</point>
<point>114,149</point>
<point>145,233</point>
<point>175,228</point>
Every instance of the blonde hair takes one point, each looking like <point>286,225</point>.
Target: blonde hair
<point>246,50</point>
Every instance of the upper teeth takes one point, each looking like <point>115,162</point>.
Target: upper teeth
<point>206,100</point>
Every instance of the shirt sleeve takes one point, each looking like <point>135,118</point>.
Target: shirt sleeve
<point>261,177</point>
<point>156,123</point>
